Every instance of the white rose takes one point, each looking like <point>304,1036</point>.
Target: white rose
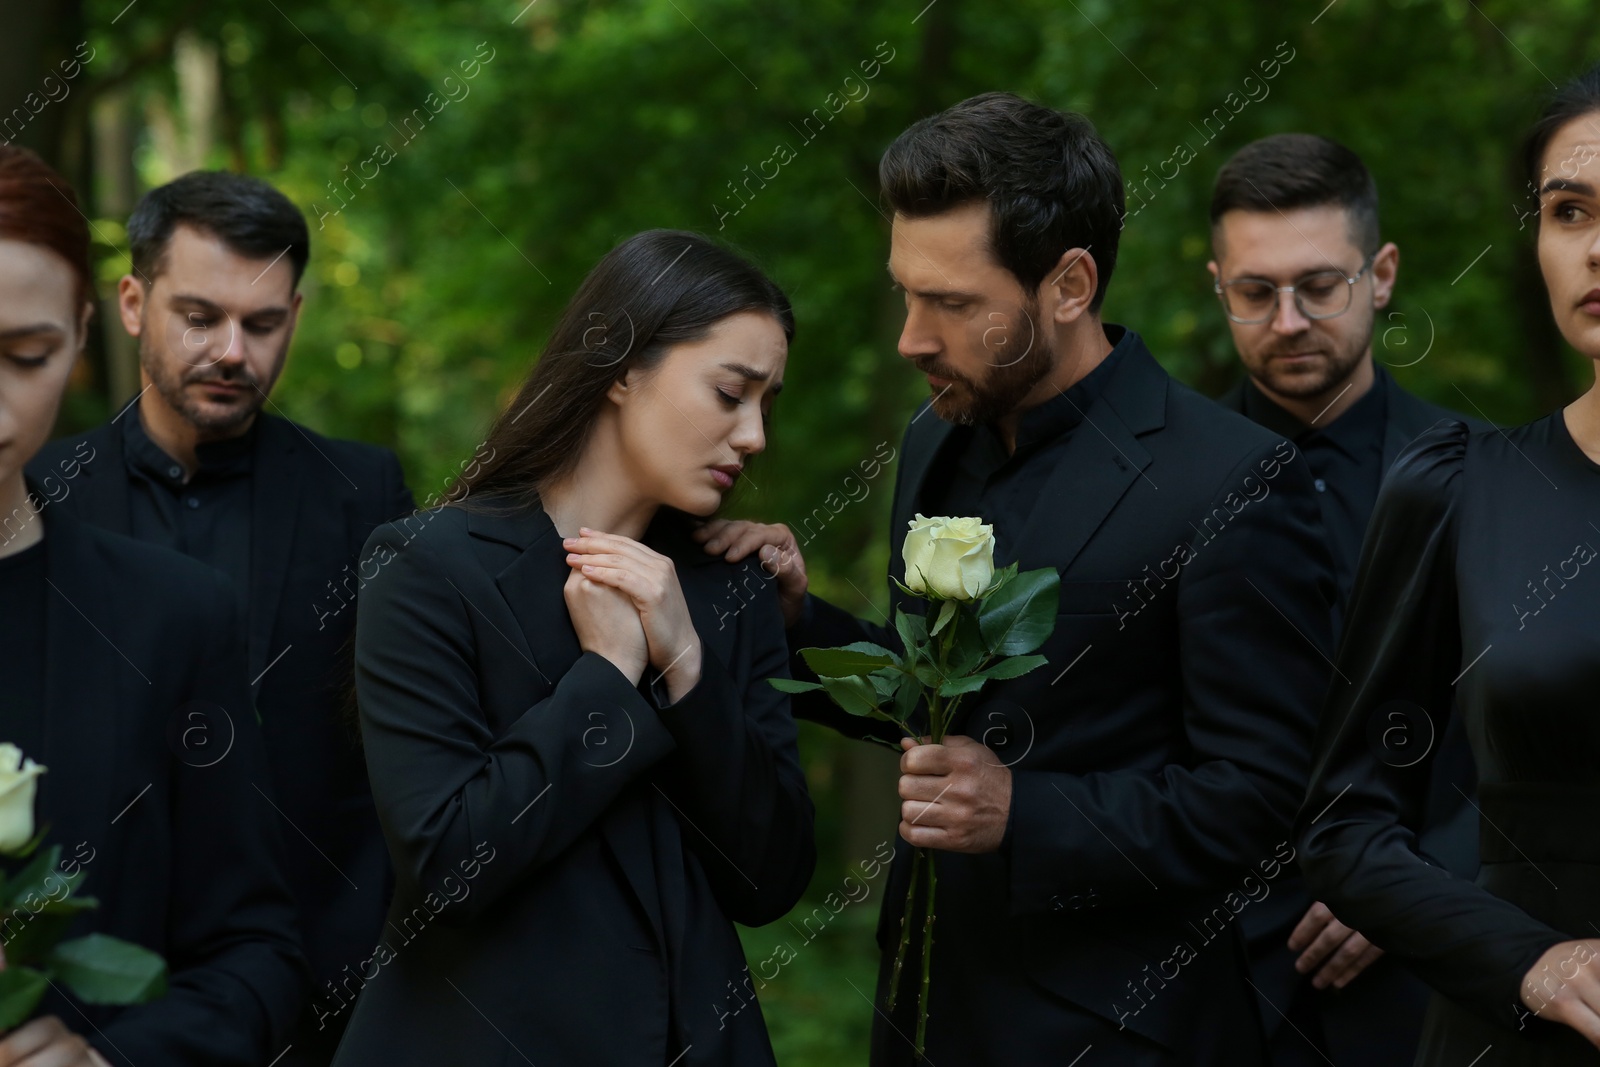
<point>950,558</point>
<point>17,785</point>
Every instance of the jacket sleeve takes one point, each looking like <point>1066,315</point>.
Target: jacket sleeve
<point>735,780</point>
<point>236,975</point>
<point>1253,633</point>
<point>444,785</point>
<point>1397,663</point>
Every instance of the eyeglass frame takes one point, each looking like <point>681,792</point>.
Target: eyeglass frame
<point>1350,285</point>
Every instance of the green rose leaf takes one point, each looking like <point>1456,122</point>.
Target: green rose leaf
<point>793,685</point>
<point>956,686</point>
<point>854,694</point>
<point>1019,617</point>
<point>860,657</point>
<point>107,970</point>
<point>1013,667</point>
<point>913,630</point>
<point>34,876</point>
<point>906,698</point>
<point>886,681</point>
<point>20,991</point>
<point>966,649</point>
<point>947,611</point>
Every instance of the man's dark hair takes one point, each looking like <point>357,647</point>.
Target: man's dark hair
<point>1293,170</point>
<point>1050,181</point>
<point>246,214</point>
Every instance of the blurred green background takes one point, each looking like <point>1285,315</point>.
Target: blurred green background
<point>463,164</point>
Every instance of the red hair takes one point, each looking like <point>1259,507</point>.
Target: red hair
<point>38,207</point>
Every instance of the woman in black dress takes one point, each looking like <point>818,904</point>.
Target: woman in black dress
<point>582,774</point>
<point>1479,595</point>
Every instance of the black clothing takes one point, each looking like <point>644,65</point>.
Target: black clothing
<point>1472,585</point>
<point>22,678</point>
<point>207,517</point>
<point>311,503</point>
<point>601,843</point>
<point>1376,1020</point>
<point>156,787</point>
<point>1346,456</point>
<point>1004,487</point>
<point>1156,761</point>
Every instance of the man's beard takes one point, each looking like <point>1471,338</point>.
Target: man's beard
<point>1006,381</point>
<point>1337,364</point>
<point>171,384</point>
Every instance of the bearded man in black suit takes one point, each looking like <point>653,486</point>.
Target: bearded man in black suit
<point>1098,824</point>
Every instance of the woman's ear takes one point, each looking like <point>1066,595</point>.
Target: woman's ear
<point>623,387</point>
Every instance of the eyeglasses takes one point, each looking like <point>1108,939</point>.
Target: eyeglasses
<point>1321,295</point>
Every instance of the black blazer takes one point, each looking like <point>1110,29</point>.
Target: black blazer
<point>157,788</point>
<point>1157,760</point>
<point>315,500</point>
<point>569,853</point>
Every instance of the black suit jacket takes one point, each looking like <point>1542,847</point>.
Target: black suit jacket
<point>157,789</point>
<point>314,502</point>
<point>569,853</point>
<point>1156,761</point>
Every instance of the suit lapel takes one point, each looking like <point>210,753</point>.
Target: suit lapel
<point>1102,459</point>
<point>83,708</point>
<point>532,585</point>
<point>276,486</point>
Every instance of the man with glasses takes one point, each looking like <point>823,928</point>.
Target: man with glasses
<point>1301,274</point>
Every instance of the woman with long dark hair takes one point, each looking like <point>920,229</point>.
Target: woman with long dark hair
<point>582,774</point>
<point>1480,581</point>
<point>125,676</point>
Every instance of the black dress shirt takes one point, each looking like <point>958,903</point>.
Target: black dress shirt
<point>1002,487</point>
<point>22,651</point>
<point>207,517</point>
<point>1346,458</point>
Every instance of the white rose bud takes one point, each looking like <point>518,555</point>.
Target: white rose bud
<point>950,558</point>
<point>17,785</point>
